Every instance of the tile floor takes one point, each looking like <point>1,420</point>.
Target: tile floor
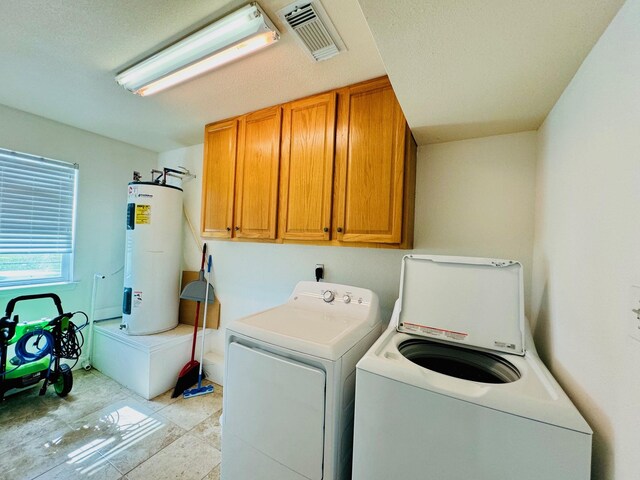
<point>104,431</point>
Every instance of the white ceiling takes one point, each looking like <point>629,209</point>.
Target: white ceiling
<point>460,68</point>
<point>59,59</point>
<point>472,68</point>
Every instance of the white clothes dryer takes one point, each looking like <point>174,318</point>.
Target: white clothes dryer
<point>290,384</point>
<point>454,389</point>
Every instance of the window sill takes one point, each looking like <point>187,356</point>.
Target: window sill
<point>39,287</point>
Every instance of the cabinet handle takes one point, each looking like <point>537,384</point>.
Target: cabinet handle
<point>339,229</point>
<point>228,229</point>
<point>237,228</point>
<point>325,229</point>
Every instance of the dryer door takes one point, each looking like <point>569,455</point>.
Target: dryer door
<point>275,405</point>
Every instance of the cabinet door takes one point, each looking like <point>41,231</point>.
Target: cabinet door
<point>219,178</point>
<point>257,174</point>
<point>370,164</point>
<point>306,185</point>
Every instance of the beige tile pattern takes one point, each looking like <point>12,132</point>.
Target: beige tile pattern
<point>103,431</point>
<point>45,452</point>
<point>102,392</point>
<point>210,430</point>
<point>190,412</point>
<point>97,471</point>
<point>21,429</point>
<point>130,432</point>
<point>213,474</point>
<point>188,458</point>
<point>158,402</point>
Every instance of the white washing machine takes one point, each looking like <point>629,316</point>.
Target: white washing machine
<point>454,389</point>
<point>290,384</point>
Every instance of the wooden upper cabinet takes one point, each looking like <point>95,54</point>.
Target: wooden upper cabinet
<point>306,172</point>
<point>219,178</point>
<point>337,168</point>
<point>257,170</point>
<point>370,164</point>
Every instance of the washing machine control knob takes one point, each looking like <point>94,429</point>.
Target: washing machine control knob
<point>328,296</point>
<point>346,299</point>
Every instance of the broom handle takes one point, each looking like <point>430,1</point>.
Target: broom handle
<point>195,323</point>
<point>204,320</point>
<point>195,332</point>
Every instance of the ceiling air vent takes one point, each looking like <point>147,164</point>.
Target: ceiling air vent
<point>309,23</point>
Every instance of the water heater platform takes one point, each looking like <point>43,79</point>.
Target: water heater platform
<point>147,364</point>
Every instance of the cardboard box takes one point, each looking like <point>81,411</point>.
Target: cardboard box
<point>188,307</point>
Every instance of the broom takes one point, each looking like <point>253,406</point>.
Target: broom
<point>200,390</point>
<point>193,291</point>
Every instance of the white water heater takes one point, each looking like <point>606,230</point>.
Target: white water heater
<point>152,258</point>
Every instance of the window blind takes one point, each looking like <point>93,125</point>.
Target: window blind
<point>37,199</point>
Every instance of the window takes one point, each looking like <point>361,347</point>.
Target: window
<point>37,217</point>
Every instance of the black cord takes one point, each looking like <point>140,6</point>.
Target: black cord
<point>72,341</point>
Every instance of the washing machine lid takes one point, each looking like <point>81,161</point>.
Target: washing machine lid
<point>477,302</point>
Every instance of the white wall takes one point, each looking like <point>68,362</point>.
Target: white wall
<point>587,247</point>
<point>105,170</point>
<point>473,198</point>
<point>476,197</point>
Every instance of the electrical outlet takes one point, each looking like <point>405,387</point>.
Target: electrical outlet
<point>319,271</point>
<point>634,313</point>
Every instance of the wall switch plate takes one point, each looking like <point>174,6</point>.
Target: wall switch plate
<point>634,313</point>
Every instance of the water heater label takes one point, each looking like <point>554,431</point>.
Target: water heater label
<point>137,298</point>
<point>143,214</point>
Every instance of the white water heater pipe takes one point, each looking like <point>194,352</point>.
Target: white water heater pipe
<point>152,258</point>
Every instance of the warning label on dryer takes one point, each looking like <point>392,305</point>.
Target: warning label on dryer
<point>435,332</point>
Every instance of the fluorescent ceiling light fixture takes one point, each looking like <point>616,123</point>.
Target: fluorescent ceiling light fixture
<point>238,34</point>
